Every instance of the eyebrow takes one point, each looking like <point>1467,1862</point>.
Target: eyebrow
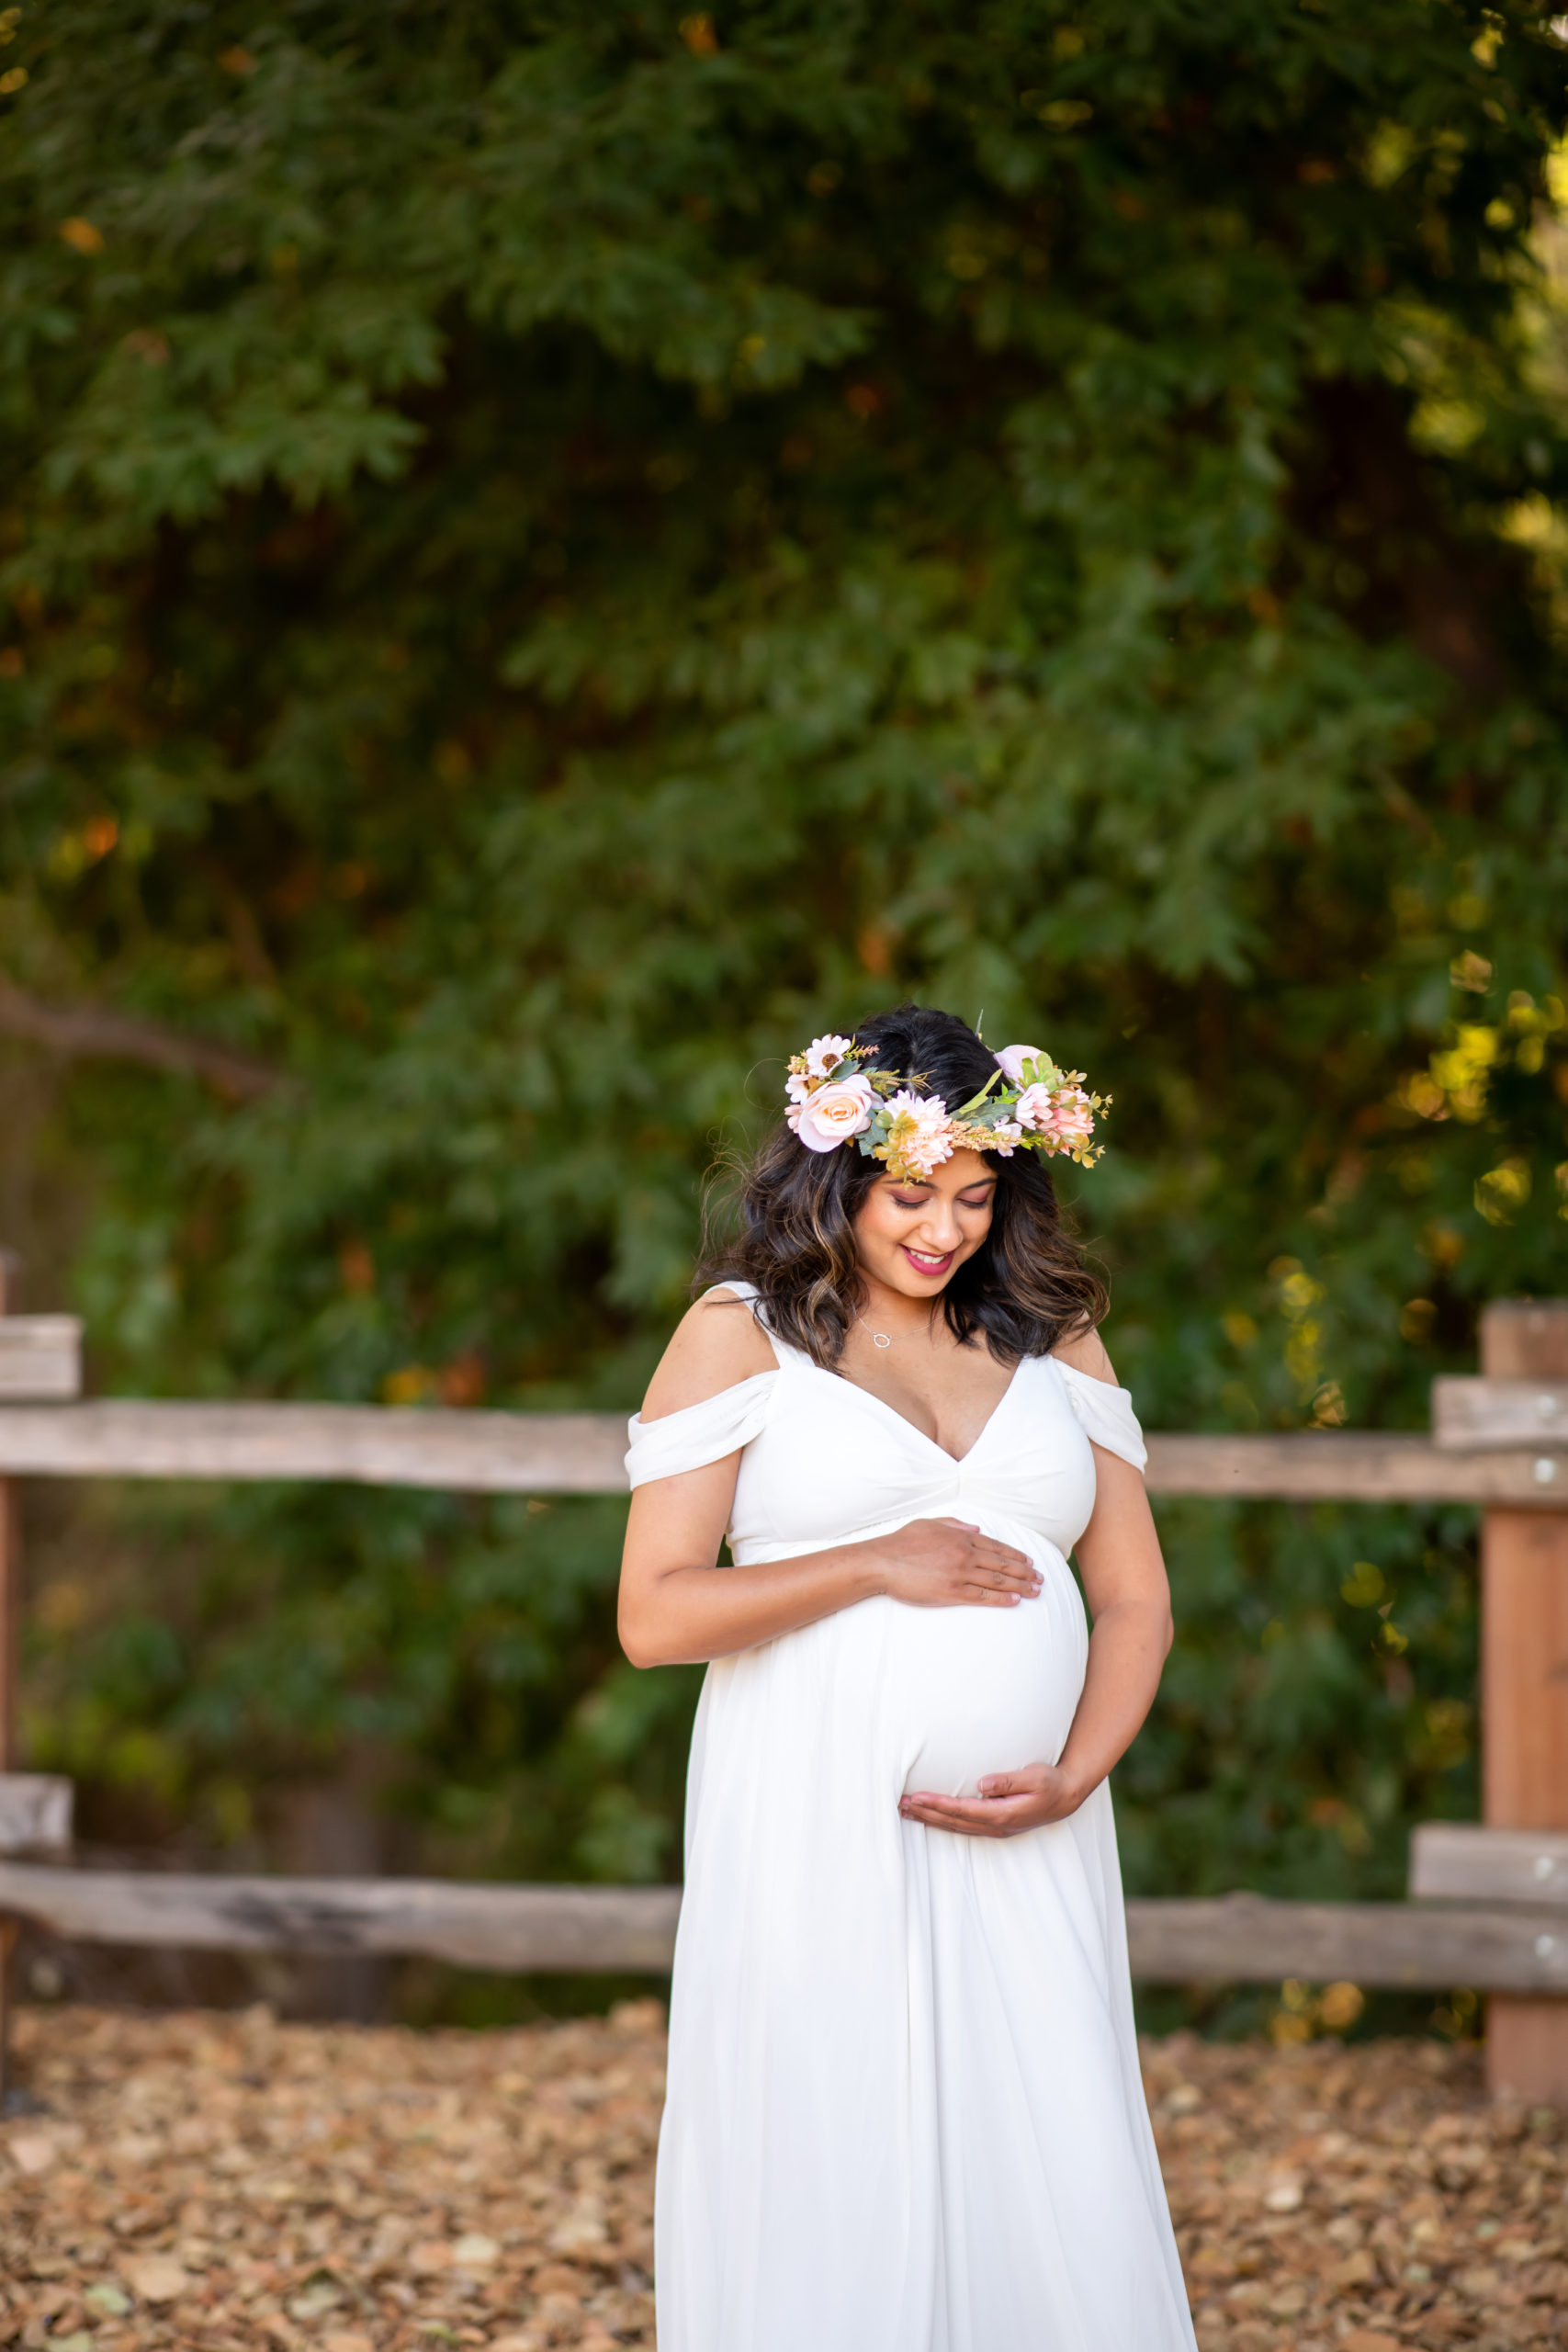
<point>919,1184</point>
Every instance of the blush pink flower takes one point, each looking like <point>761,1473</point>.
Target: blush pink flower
<point>833,1115</point>
<point>1072,1118</point>
<point>1013,1058</point>
<point>1033,1110</point>
<point>1008,1136</point>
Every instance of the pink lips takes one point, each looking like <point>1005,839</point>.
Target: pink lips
<point>929,1270</point>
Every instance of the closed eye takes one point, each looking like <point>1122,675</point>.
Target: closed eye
<point>965,1201</point>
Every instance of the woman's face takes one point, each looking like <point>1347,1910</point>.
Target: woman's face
<point>915,1236</point>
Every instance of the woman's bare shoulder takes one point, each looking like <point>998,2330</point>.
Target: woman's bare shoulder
<point>1085,1351</point>
<point>717,1344</point>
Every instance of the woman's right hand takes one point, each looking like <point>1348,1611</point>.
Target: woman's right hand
<point>947,1564</point>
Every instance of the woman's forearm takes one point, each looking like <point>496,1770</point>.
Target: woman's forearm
<point>1127,1651</point>
<point>686,1616</point>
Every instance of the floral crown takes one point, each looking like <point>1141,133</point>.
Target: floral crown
<point>1027,1103</point>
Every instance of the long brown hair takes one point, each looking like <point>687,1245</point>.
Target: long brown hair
<point>1026,1286</point>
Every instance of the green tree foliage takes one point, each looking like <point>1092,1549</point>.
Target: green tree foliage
<point>551,553</point>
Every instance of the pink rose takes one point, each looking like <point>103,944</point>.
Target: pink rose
<point>1013,1058</point>
<point>833,1115</point>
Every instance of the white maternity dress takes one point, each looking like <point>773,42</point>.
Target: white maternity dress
<point>903,2112</point>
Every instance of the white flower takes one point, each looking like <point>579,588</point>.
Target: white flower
<point>824,1054</point>
<point>833,1115</point>
<point>1008,1136</point>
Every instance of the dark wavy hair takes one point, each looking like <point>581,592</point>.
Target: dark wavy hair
<point>1026,1286</point>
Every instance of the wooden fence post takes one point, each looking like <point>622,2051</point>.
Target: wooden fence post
<point>10,1665</point>
<point>1523,1690</point>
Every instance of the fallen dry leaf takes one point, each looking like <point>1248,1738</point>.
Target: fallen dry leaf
<point>31,2152</point>
<point>154,2280</point>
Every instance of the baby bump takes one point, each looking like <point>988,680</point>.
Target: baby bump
<point>982,1690</point>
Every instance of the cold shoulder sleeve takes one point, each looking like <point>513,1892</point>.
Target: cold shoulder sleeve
<point>1105,1414</point>
<point>699,1434</point>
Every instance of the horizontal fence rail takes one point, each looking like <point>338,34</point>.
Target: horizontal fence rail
<point>372,1445</point>
<point>582,1454</point>
<point>604,1929</point>
<point>1246,1938</point>
<point>1500,1413</point>
<point>1239,1939</point>
<point>1470,1862</point>
<point>40,1355</point>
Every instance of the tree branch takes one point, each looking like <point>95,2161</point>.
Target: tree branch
<point>114,1036</point>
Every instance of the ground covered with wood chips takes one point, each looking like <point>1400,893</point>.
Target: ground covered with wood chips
<point>219,2180</point>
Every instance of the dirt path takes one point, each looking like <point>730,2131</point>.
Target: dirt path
<point>214,2181</point>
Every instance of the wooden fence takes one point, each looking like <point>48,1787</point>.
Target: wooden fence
<point>1490,1903</point>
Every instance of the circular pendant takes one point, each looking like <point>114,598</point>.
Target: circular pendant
<point>881,1338</point>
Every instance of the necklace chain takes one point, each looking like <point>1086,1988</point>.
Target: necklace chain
<point>884,1338</point>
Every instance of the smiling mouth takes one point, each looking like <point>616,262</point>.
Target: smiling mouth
<point>924,1265</point>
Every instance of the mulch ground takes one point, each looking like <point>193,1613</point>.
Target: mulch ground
<point>211,2181</point>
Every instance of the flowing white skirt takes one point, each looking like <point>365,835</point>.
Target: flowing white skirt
<point>905,2112</point>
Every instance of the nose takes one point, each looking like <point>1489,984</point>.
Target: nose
<point>940,1230</point>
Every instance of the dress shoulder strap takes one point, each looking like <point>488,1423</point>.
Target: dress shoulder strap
<point>699,1434</point>
<point>1105,1414</point>
<point>749,1295</point>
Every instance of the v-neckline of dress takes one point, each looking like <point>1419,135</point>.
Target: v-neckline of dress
<point>914,1427</point>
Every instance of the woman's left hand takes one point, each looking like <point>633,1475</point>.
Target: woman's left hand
<point>1008,1804</point>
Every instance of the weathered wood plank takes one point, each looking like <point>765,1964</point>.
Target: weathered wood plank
<point>583,1453</point>
<point>40,1356</point>
<point>570,1928</point>
<point>1496,1415</point>
<point>362,1444</point>
<point>35,1811</point>
<point>1523,1686</point>
<point>1351,1466</point>
<point>1246,1938</point>
<point>10,1657</point>
<point>1240,1939</point>
<point>1466,1861</point>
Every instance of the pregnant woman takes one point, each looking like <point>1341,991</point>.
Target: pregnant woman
<point>905,2112</point>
